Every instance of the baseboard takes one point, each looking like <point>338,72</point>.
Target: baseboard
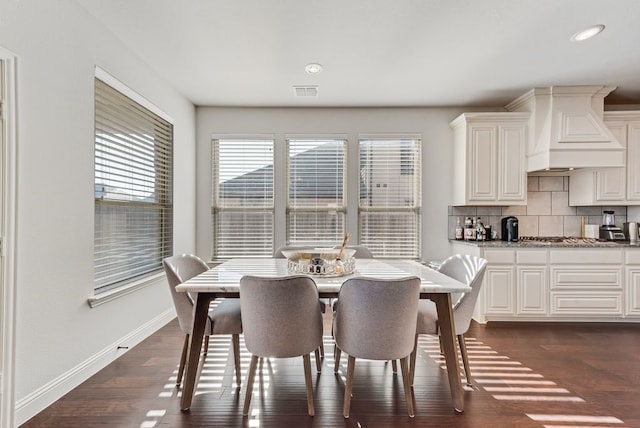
<point>38,400</point>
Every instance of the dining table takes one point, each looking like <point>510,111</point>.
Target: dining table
<point>223,280</point>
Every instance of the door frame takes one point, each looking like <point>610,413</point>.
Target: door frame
<point>8,217</point>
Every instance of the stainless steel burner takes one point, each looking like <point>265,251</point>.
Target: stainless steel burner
<point>561,240</point>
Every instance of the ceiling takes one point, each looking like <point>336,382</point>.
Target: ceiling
<point>378,52</point>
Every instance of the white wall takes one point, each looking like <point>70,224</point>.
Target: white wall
<point>432,124</point>
<point>60,340</point>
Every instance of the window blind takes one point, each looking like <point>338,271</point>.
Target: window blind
<point>133,189</point>
<point>389,209</point>
<point>316,208</point>
<point>243,207</point>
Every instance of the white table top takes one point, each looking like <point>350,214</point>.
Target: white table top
<point>225,278</point>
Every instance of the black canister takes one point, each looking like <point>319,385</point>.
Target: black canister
<point>510,229</point>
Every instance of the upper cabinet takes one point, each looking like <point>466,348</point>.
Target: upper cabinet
<point>612,186</point>
<point>489,159</point>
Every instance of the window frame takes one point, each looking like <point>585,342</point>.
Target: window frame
<point>414,175</point>
<point>340,210</point>
<point>162,206</point>
<point>215,193</point>
<point>351,185</point>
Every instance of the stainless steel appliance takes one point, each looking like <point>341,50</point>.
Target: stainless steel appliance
<point>630,230</point>
<point>510,229</point>
<point>609,230</point>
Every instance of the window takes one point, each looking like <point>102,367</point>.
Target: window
<point>316,204</point>
<point>389,213</point>
<point>296,191</point>
<point>133,189</point>
<point>243,207</point>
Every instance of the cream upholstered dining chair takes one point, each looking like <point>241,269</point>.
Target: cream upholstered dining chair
<point>223,319</point>
<point>466,269</point>
<point>280,320</point>
<point>376,320</point>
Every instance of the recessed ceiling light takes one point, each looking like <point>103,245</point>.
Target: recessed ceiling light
<point>313,68</point>
<point>588,33</point>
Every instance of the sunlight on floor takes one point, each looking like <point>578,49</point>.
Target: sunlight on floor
<point>490,368</point>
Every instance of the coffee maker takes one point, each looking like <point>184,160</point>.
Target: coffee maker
<point>609,230</point>
<point>510,229</point>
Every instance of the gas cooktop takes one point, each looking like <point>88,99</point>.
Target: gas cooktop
<point>565,241</point>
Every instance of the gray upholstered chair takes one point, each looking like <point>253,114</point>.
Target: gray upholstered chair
<point>466,269</point>
<point>362,252</point>
<point>277,254</point>
<point>223,319</point>
<point>376,320</point>
<point>280,320</point>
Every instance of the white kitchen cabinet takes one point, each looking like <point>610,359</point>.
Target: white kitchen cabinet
<point>586,283</point>
<point>632,278</point>
<point>612,186</point>
<point>557,284</point>
<point>498,284</point>
<point>532,290</point>
<point>489,159</point>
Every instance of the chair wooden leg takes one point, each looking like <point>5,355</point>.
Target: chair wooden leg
<point>235,341</point>
<point>206,346</point>
<point>337,354</point>
<point>465,358</point>
<point>183,359</point>
<point>307,380</point>
<point>414,354</point>
<point>404,366</point>
<point>351,366</point>
<point>322,349</point>
<point>394,366</point>
<point>250,377</point>
<point>318,362</point>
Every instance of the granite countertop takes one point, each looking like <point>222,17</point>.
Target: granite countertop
<point>538,244</point>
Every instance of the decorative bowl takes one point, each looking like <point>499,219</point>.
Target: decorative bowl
<point>320,261</point>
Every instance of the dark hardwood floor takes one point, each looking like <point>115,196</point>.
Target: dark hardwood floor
<point>525,375</point>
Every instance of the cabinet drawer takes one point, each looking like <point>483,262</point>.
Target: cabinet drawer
<point>585,277</point>
<point>632,257</point>
<point>500,257</point>
<point>585,256</point>
<point>532,257</point>
<point>586,303</point>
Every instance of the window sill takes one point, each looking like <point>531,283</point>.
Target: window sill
<point>116,293</point>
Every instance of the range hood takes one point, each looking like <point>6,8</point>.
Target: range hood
<point>566,129</point>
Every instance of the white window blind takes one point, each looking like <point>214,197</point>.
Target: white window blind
<point>316,207</point>
<point>389,212</point>
<point>133,189</point>
<point>243,207</point>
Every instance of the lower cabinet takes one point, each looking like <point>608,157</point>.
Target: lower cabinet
<point>563,284</point>
<point>532,286</point>
<point>515,283</point>
<point>586,283</point>
<point>632,278</point>
<point>499,277</point>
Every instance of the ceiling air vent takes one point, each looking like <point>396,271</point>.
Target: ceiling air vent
<point>306,91</point>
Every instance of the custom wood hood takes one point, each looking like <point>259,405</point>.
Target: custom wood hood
<point>566,129</point>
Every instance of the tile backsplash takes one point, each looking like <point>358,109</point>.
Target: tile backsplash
<point>547,212</point>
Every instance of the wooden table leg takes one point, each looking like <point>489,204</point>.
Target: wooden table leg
<point>200,314</point>
<point>448,340</point>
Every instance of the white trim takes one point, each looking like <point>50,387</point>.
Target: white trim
<point>108,296</point>
<point>44,396</point>
<point>315,136</point>
<point>390,136</point>
<point>8,230</point>
<point>250,137</point>
<point>121,87</point>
